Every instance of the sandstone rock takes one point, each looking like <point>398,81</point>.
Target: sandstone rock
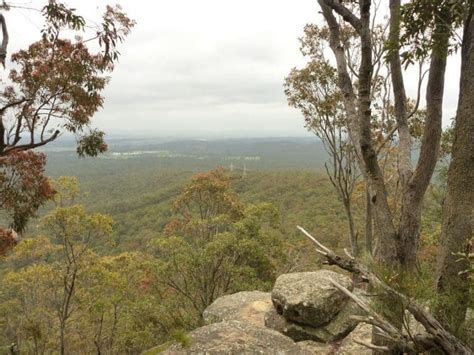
<point>335,330</point>
<point>312,347</point>
<point>248,306</point>
<point>348,347</point>
<point>235,337</point>
<point>308,297</point>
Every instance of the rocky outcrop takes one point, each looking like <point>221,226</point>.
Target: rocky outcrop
<point>304,314</point>
<point>236,337</point>
<point>247,306</point>
<point>309,298</point>
<point>337,328</point>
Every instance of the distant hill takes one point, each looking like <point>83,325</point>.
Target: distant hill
<point>191,155</point>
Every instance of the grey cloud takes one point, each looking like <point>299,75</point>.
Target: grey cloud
<point>209,66</point>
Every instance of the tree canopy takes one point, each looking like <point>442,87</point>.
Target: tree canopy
<point>55,86</point>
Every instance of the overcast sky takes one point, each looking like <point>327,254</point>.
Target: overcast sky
<point>203,68</point>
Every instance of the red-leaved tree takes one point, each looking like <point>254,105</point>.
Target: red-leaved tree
<point>23,186</point>
<point>55,86</point>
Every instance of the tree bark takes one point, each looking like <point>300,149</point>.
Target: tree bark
<point>352,231</point>
<point>415,189</point>
<point>368,222</point>
<point>457,228</point>
<point>387,253</point>
<point>399,94</point>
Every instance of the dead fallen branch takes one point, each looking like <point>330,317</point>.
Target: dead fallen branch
<point>436,337</point>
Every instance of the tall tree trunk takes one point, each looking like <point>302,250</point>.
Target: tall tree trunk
<point>399,94</point>
<point>387,251</point>
<point>415,189</point>
<point>457,229</point>
<point>368,222</point>
<point>359,117</point>
<point>352,231</point>
<point>62,339</point>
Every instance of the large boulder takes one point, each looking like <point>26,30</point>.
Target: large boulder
<point>339,327</point>
<point>248,306</point>
<point>235,337</point>
<point>309,298</point>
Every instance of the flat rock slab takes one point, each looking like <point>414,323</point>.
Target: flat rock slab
<point>248,306</point>
<point>236,337</point>
<point>309,298</point>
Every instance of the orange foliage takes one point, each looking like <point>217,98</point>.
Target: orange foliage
<point>206,197</point>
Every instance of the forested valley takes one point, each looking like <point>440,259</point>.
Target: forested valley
<point>127,204</point>
<point>354,237</point>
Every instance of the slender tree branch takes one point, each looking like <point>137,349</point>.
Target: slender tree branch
<point>3,48</point>
<point>421,77</point>
<point>345,13</point>
<point>30,145</point>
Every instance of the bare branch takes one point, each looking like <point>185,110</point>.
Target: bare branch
<point>326,250</point>
<point>434,105</point>
<point>348,254</point>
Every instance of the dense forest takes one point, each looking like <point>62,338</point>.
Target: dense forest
<point>121,302</point>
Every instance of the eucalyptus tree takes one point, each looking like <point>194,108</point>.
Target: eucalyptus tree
<point>316,92</point>
<point>422,32</point>
<point>457,228</point>
<point>399,235</point>
<point>313,90</point>
<point>54,86</point>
